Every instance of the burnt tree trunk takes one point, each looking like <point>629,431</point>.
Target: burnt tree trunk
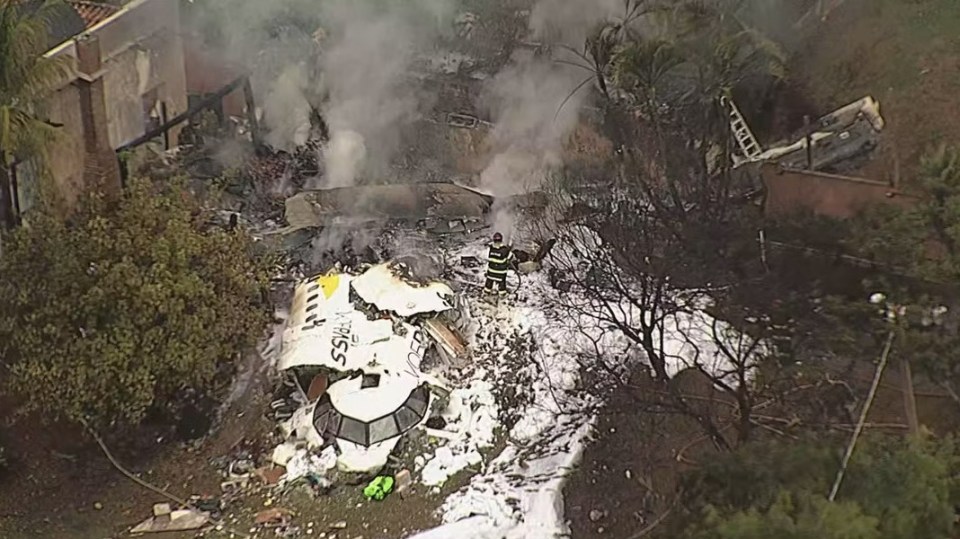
<point>8,218</point>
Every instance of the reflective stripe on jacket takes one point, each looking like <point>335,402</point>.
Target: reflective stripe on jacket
<point>499,259</point>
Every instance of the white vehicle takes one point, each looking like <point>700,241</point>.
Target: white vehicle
<point>377,390</point>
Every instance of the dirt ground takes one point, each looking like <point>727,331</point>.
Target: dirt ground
<point>905,53</point>
<point>636,457</point>
<point>631,467</point>
<point>61,486</point>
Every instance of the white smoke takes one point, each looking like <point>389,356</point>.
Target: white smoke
<point>349,59</point>
<point>367,55</point>
<point>288,110</point>
<point>569,22</point>
<point>536,100</point>
<point>534,109</point>
<point>345,155</point>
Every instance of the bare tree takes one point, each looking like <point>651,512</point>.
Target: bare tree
<point>600,260</point>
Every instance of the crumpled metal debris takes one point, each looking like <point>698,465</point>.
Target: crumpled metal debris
<point>178,520</point>
<point>354,206</point>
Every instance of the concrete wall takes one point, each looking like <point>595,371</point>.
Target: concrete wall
<point>790,190</point>
<point>141,55</point>
<point>67,160</point>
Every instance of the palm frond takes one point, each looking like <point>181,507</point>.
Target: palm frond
<point>644,64</point>
<point>26,78</point>
<point>570,96</point>
<point>940,168</point>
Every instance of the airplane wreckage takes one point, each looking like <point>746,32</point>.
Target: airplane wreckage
<point>361,349</point>
<point>357,347</point>
<point>440,207</point>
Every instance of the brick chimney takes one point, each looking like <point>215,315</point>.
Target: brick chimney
<point>101,167</point>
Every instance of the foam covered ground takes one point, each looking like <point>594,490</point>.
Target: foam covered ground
<point>518,493</point>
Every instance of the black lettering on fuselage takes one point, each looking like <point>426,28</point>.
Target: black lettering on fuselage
<point>415,356</point>
<point>342,338</point>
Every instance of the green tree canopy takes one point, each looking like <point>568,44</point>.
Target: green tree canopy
<point>125,305</point>
<point>922,240</point>
<point>792,517</point>
<point>893,489</point>
<point>920,244</point>
<point>25,77</point>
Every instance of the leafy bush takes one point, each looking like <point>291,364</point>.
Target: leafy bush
<point>128,303</point>
<point>892,489</point>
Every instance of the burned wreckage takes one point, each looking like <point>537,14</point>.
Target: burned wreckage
<point>356,348</point>
<point>439,206</point>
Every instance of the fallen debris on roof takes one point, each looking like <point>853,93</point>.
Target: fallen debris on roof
<point>840,136</point>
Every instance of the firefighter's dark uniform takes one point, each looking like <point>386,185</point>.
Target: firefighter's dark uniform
<point>499,262</point>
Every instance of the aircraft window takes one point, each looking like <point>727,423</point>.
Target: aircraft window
<point>406,418</point>
<point>322,416</point>
<point>418,400</point>
<point>333,425</point>
<point>353,431</point>
<point>383,429</point>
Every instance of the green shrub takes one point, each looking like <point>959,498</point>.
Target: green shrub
<point>124,305</point>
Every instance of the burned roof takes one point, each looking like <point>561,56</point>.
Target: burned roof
<point>357,205</point>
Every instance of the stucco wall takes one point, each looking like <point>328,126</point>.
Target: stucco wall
<point>152,61</point>
<point>207,74</point>
<point>141,50</point>
<point>66,162</point>
<point>788,191</point>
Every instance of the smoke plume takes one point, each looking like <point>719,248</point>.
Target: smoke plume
<point>366,57</point>
<point>532,121</point>
<point>569,22</point>
<point>536,100</point>
<point>347,59</point>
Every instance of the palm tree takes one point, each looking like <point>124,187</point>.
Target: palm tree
<point>641,67</point>
<point>603,44</point>
<point>25,77</point>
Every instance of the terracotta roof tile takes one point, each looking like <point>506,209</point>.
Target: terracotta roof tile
<point>92,13</point>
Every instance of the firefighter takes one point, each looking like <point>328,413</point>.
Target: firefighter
<point>499,262</point>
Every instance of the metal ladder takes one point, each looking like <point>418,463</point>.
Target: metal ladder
<point>741,132</point>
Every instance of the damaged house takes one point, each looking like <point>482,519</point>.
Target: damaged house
<point>830,143</point>
<point>357,346</point>
<point>126,76</point>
